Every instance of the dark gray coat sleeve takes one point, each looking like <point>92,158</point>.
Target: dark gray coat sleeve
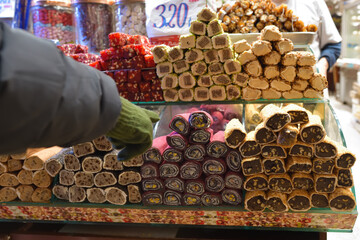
<point>48,99</point>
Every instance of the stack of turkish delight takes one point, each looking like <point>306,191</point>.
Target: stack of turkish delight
<point>80,53</point>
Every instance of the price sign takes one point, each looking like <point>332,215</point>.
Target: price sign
<point>7,8</point>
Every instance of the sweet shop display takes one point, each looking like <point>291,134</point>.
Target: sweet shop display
<point>251,16</point>
<point>130,17</point>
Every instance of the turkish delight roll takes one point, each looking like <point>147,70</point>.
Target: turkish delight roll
<point>8,180</point>
<point>71,163</point>
<point>323,165</point>
<point>312,93</point>
<point>200,120</point>
<point>195,152</point>
<point>270,33</point>
<point>232,66</point>
<point>211,56</point>
<point>241,46</point>
<point>273,151</point>
<point>256,182</point>
<point>299,164</point>
<point>301,149</point>
<point>77,194</point>
<point>299,84</point>
<point>225,54</point>
<point>172,198</point>
<point>254,68</point>
<point>344,178</point>
<point>111,162</point>
<point>277,202</point>
<point>215,68</point>
<point>305,73</point>
<point>96,195</point>
<point>264,135</point>
<point>175,53</point>
<point>102,144</point>
<point>299,201</point>
<point>24,192</point>
<point>251,166</point>
<point>190,170</point>
<point>280,85</point>
<point>206,15</point>
<point>211,199</point>
<point>246,57</point>
<point>280,183</point>
<point>42,195</point>
<point>255,201</point>
<point>221,79</point>
<point>92,164</point>
<point>84,179</point>
<point>61,192</point>
<point>221,41</point>
<point>197,28</point>
<point>298,114</point>
<point>52,166</point>
<point>201,136</point>
<point>233,92</point>
<point>342,200</point>
<point>204,81</point>
<point>25,177</point>
<point>250,148</point>
<point>187,80</point>
<point>214,166</point>
<point>191,200</point>
<point>326,149</point>
<point>41,179</point>
<point>160,53</point>
<point>164,68</point>
<point>8,194</point>
<point>214,183</point>
<point>151,198</point>
<point>83,149</point>
<point>198,68</point>
<point>318,82</point>
<point>306,58</point>
<point>240,79</point>
<point>289,59</point>
<point>274,117</point>
<point>66,177</point>
<point>169,81</point>
<point>176,141</point>
<point>4,158</point>
<point>181,66</point>
<point>201,94</point>
<point>14,165</point>
<point>195,187</point>
<point>179,124</point>
<point>250,94</point>
<point>271,72</point>
<point>234,133</point>
<point>233,160</point>
<point>104,179</point>
<point>152,184</point>
<point>312,132</point>
<point>287,136</point>
<point>302,181</point>
<point>292,94</point>
<point>175,184</point>
<point>274,166</point>
<point>217,147</point>
<point>214,28</point>
<point>217,93</point>
<point>172,155</point>
<point>288,73</point>
<point>185,42</point>
<point>272,58</point>
<point>233,180</point>
<point>137,161</point>
<point>319,200</point>
<point>261,47</point>
<point>169,170</point>
<point>344,158</point>
<point>231,197</point>
<point>325,183</point>
<point>129,177</point>
<point>283,46</point>
<point>194,55</point>
<point>115,196</point>
<point>258,83</point>
<point>203,42</point>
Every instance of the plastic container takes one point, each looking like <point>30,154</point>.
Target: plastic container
<point>94,20</point>
<point>53,20</point>
<point>130,17</point>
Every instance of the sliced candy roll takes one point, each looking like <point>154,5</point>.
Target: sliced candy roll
<point>318,82</point>
<point>215,68</point>
<point>197,28</point>
<point>102,144</point>
<point>252,166</point>
<point>190,170</point>
<point>171,95</point>
<point>201,94</point>
<point>40,194</point>
<point>272,58</point>
<point>292,94</point>
<point>302,181</point>
<point>250,94</point>
<point>186,42</point>
<point>172,155</point>
<point>164,68</point>
<point>277,202</point>
<point>234,133</point>
<point>187,80</point>
<point>325,183</point>
<point>175,184</point>
<point>201,136</point>
<point>241,46</point>
<point>231,197</point>
<point>305,72</point>
<point>195,187</point>
<point>217,93</point>
<point>344,178</point>
<point>232,66</point>
<point>233,160</point>
<point>299,201</point>
<point>226,54</point>
<point>305,58</point>
<point>96,195</point>
<point>214,28</point>
<point>246,57</point>
<point>111,162</point>
<point>181,66</point>
<point>280,183</point>
<point>274,166</point>
<point>270,33</point>
<point>52,167</point>
<point>66,177</point>
<point>261,47</point>
<point>271,72</point>
<point>298,164</point>
<point>41,179</point>
<point>104,179</point>
<point>211,56</point>
<point>274,117</point>
<point>287,136</point>
<point>214,167</point>
<point>250,148</point>
<point>152,184</point>
<point>24,193</point>
<point>312,93</point>
<point>297,114</point>
<point>129,177</point>
<point>319,200</point>
<point>342,200</point>
<point>59,191</point>
<point>289,59</point>
<point>233,92</point>
<point>200,120</point>
<point>326,149</point>
<point>323,165</point>
<point>172,198</point>
<point>283,46</point>
<point>194,55</point>
<point>4,158</point>
<point>77,194</point>
<point>258,83</point>
<point>25,177</point>
<point>211,199</point>
<point>84,179</point>
<point>234,180</point>
<point>175,53</point>
<point>8,194</point>
<point>199,68</point>
<point>71,163</point>
<point>217,148</point>
<point>214,183</point>
<point>134,194</point>
<point>169,170</point>
<point>92,164</point>
<point>204,81</point>
<point>255,201</point>
<point>115,196</point>
<point>160,53</point>
<point>169,81</point>
<point>149,170</point>
<point>83,149</point>
<point>301,149</point>
<point>3,168</point>
<point>203,42</point>
<point>280,85</point>
<point>344,158</point>
<point>256,182</point>
<point>264,135</point>
<point>300,85</point>
<point>152,198</point>
<point>195,152</point>
<point>206,15</point>
<point>137,161</point>
<point>191,200</point>
<point>221,41</point>
<point>177,141</point>
<point>179,124</point>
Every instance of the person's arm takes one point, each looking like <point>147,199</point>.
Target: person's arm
<point>331,52</point>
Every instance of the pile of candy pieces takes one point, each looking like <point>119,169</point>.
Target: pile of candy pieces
<point>80,53</point>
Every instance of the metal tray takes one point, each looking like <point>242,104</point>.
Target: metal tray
<point>298,38</point>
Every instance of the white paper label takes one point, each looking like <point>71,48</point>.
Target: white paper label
<point>7,8</point>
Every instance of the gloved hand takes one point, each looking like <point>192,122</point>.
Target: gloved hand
<point>133,131</point>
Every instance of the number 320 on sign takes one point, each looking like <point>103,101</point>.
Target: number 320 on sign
<point>172,15</point>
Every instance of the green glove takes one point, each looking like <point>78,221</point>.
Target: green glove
<point>133,131</point>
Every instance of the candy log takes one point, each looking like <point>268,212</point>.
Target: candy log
<point>199,68</point>
<point>149,170</point>
<point>7,194</point>
<point>4,158</point>
<point>24,192</point>
<point>160,53</point>
<point>342,200</point>
<point>271,94</point>
<point>305,72</point>
<point>280,85</point>
<point>77,194</point>
<point>264,135</point>
<point>253,68</point>
<point>271,72</point>
<point>326,149</point>
<point>325,183</point>
<point>250,148</point>
<point>175,53</point>
<point>61,192</point>
<point>176,141</point>
<point>52,166</point>
<point>206,15</point>
<point>186,95</point>
<point>169,81</point>
<point>255,201</point>
<point>111,162</point>
<point>287,136</point>
<point>216,68</point>
<point>211,199</point>
<point>211,56</point>
<point>129,177</point>
<point>214,183</point>
<point>181,66</point>
<point>233,180</point>
<point>71,163</point>
<point>200,120</point>
<point>20,156</point>
<point>318,82</point>
<point>274,166</point>
<point>217,93</point>
<point>41,195</point>
<point>152,184</point>
<point>201,94</point>
<point>197,28</point>
<point>66,177</point>
<point>164,68</point>
<point>231,197</point>
<point>292,94</point>
<point>300,149</point>
<point>204,81</point>
<point>172,155</point>
<point>191,200</point>
<point>300,85</point>
<point>217,147</point>
<point>83,149</point>
<point>299,201</point>
<point>115,196</point>
<point>323,165</point>
<point>280,183</point>
<point>274,117</point>
<point>195,187</point>
<point>134,162</point>
<point>312,93</point>
<point>92,164</point>
<point>297,114</point>
<point>344,178</point>
<point>203,42</point>
<point>194,55</point>
<point>299,164</point>
<point>270,33</point>
<point>134,194</point>
<point>41,179</point>
<point>104,179</point>
<point>214,166</point>
<point>169,170</point>
<point>186,41</point>
<point>96,195</point>
<point>84,179</point>
<point>277,202</point>
<point>175,184</point>
<point>187,80</point>
<point>190,170</point>
<point>232,66</point>
<point>201,136</point>
<point>241,46</point>
<point>305,58</point>
<point>302,181</point>
<point>233,160</point>
<point>221,41</point>
<point>36,161</point>
<point>344,158</point>
<point>289,59</point>
<point>319,200</point>
<point>258,83</point>
<point>261,47</point>
<point>152,198</point>
<point>251,166</point>
<point>102,144</point>
<point>284,46</point>
<point>246,57</point>
<point>227,54</point>
<point>195,152</point>
<point>154,154</point>
<point>214,28</point>
<point>172,198</point>
<point>3,168</point>
<point>233,92</point>
<point>14,165</point>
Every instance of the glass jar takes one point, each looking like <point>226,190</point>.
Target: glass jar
<point>94,20</point>
<point>53,20</point>
<point>130,17</point>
